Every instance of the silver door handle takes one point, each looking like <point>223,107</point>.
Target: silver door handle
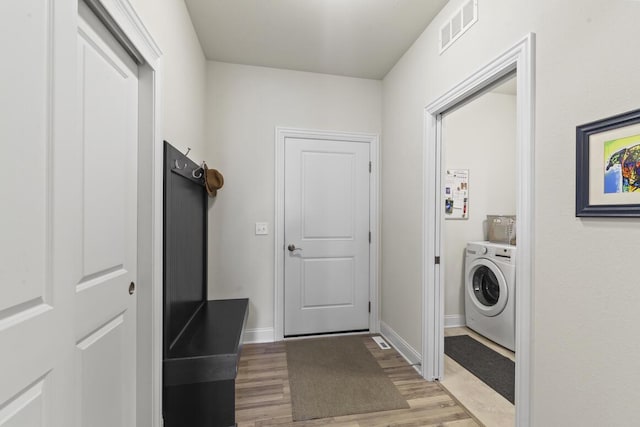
<point>292,247</point>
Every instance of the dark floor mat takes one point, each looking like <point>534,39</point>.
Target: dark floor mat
<point>495,370</point>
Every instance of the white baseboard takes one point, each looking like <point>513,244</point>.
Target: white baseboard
<point>454,320</point>
<point>409,353</point>
<point>258,335</point>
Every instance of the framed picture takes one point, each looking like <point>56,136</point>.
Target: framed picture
<point>608,167</point>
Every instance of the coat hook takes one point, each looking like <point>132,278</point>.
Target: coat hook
<point>196,173</point>
<point>184,155</point>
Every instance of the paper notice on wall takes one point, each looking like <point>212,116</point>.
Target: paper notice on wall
<point>456,194</point>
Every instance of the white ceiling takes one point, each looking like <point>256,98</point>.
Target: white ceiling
<point>358,38</point>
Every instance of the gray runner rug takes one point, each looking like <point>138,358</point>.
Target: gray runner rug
<point>337,376</point>
<point>495,370</point>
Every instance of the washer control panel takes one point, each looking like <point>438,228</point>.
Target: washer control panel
<point>503,252</point>
<point>493,250</point>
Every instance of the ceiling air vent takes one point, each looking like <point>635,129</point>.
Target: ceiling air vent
<point>460,22</point>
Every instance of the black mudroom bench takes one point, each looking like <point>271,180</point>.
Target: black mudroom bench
<point>200,370</point>
<point>202,339</point>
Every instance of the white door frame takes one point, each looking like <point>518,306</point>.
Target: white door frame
<point>281,134</point>
<point>521,59</point>
<point>149,286</point>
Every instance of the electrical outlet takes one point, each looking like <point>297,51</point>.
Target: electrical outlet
<point>262,228</point>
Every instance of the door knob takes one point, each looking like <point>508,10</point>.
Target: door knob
<point>292,247</point>
<point>132,288</point>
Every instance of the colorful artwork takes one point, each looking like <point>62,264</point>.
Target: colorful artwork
<point>622,165</point>
<point>608,167</point>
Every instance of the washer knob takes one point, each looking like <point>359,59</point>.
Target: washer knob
<point>482,250</point>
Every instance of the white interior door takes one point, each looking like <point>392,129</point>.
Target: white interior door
<point>326,212</point>
<point>68,220</point>
<point>35,342</point>
<point>104,241</point>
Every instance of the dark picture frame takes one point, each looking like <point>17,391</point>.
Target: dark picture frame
<point>604,188</point>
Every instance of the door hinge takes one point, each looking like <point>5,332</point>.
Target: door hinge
<point>369,237</point>
<point>369,167</point>
<point>369,306</point>
<point>437,260</point>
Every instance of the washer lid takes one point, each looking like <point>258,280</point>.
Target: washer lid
<point>487,287</point>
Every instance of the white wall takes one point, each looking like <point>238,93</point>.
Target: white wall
<point>586,298</point>
<point>245,105</point>
<point>480,137</point>
<point>183,73</point>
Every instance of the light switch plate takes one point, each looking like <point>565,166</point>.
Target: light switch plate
<point>262,228</point>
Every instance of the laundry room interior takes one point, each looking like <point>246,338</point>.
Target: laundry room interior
<point>479,198</point>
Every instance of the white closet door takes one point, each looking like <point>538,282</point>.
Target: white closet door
<point>36,315</point>
<point>68,219</point>
<point>104,239</point>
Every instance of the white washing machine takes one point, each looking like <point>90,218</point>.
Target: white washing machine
<point>490,291</point>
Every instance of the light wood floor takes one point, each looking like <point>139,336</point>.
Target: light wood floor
<point>263,397</point>
<point>481,400</point>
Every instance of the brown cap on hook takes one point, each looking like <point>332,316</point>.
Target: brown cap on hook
<point>213,180</point>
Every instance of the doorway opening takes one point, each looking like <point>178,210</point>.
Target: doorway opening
<point>478,145</point>
<point>518,60</point>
